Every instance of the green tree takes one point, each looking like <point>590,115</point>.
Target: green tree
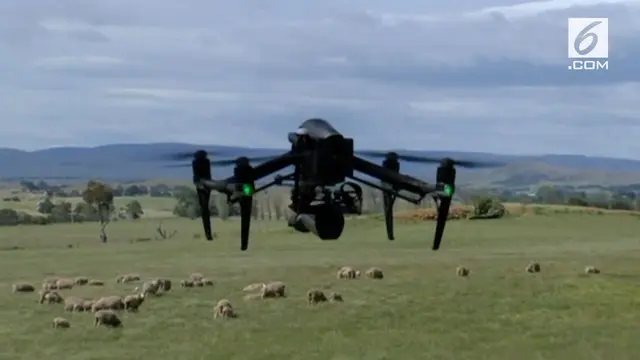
<point>188,204</point>
<point>100,196</point>
<point>9,217</point>
<point>45,206</point>
<point>61,213</point>
<point>487,208</point>
<point>134,210</point>
<point>577,201</point>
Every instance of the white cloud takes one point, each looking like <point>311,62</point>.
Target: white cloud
<point>390,73</point>
<point>534,8</point>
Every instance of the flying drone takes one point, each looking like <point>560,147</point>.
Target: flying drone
<point>325,185</point>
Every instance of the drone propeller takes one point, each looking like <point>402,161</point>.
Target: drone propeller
<point>428,160</point>
<point>225,162</point>
<point>228,162</point>
<point>187,155</point>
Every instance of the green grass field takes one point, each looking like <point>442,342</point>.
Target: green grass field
<point>421,310</point>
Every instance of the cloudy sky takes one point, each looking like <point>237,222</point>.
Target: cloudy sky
<point>473,75</point>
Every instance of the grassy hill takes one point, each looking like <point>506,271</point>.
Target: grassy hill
<point>130,162</point>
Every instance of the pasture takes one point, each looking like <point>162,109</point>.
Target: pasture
<point>420,310</point>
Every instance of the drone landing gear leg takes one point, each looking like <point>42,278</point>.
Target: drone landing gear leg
<point>387,202</point>
<point>203,199</point>
<point>245,221</point>
<point>443,213</point>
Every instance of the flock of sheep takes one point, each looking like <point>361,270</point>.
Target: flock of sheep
<point>106,309</point>
<point>532,267</point>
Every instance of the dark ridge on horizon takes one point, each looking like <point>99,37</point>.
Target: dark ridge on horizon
<point>239,149</point>
<point>140,161</point>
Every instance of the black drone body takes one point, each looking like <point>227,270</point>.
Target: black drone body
<point>324,162</point>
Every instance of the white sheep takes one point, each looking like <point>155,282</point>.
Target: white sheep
<point>107,318</point>
<point>23,287</point>
<point>108,303</point>
<point>61,323</point>
<point>315,296</point>
<point>132,302</point>
<point>375,273</point>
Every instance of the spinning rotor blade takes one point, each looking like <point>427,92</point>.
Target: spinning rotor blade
<point>228,162</point>
<point>225,162</point>
<point>187,155</point>
<point>428,160</point>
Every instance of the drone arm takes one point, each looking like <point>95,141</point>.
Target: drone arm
<point>387,190</point>
<point>400,181</point>
<point>269,167</point>
<point>277,181</point>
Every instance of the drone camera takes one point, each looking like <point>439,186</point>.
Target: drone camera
<point>325,221</point>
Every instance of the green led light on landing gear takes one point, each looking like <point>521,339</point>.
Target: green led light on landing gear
<point>247,189</point>
<point>448,190</point>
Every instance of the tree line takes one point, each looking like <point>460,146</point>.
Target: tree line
<point>97,204</point>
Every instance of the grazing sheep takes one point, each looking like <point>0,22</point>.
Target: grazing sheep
<point>49,283</point>
<point>316,296</point>
<point>206,282</point>
<point>226,313</point>
<point>165,284</point>
<point>107,318</point>
<point>50,297</point>
<point>87,305</point>
<point>150,287</point>
<point>73,303</point>
<point>335,297</point>
<point>50,280</point>
<point>591,270</point>
<point>48,286</point>
<point>375,273</point>
<point>95,282</point>
<point>223,302</point>
<point>533,267</point>
<point>23,288</point>
<point>127,278</point>
<point>132,302</point>
<point>224,309</point>
<point>61,323</point>
<point>347,272</point>
<point>274,289</point>
<point>196,277</point>
<point>108,303</point>
<point>197,283</point>
<point>65,284</point>
<point>81,280</point>
<point>186,283</point>
<point>462,271</point>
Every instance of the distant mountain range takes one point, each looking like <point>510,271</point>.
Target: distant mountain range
<point>136,162</point>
